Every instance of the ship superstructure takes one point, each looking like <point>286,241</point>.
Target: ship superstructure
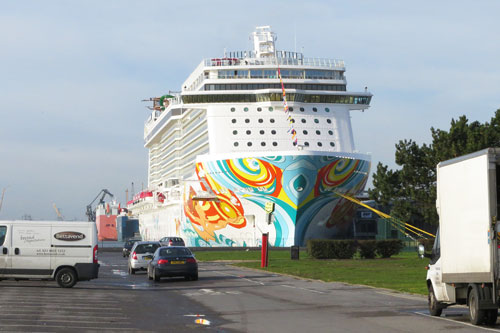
<point>222,148</point>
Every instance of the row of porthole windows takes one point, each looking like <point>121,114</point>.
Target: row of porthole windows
<point>273,132</point>
<point>274,143</point>
<point>290,109</point>
<point>260,120</point>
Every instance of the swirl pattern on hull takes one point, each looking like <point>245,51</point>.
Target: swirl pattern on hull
<point>300,187</point>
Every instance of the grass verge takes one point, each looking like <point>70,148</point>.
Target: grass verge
<point>404,272</point>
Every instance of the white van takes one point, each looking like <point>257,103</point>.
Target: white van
<point>60,250</point>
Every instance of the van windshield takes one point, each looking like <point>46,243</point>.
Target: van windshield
<point>3,231</point>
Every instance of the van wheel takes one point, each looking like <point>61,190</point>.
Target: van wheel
<point>476,316</point>
<point>66,278</point>
<point>491,317</point>
<point>434,307</point>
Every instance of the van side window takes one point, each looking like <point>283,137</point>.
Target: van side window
<point>3,231</point>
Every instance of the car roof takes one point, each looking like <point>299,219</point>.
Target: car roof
<point>147,242</point>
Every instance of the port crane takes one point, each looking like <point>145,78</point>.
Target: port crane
<point>91,212</point>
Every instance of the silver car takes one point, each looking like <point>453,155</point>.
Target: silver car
<point>140,255</point>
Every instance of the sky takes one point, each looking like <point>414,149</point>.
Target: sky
<point>73,74</point>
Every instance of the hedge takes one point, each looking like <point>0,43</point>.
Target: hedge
<point>345,249</point>
<point>367,248</point>
<point>389,247</point>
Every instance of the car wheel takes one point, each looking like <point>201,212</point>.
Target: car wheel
<point>149,275</point>
<point>66,278</point>
<point>155,275</point>
<point>131,270</point>
<point>194,277</point>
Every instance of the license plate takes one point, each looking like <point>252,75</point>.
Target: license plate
<point>147,258</point>
<point>174,262</point>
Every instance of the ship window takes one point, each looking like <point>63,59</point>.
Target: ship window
<point>275,143</point>
<point>249,132</point>
<point>235,132</point>
<point>303,120</point>
<point>305,132</point>
<point>329,121</point>
<point>302,109</point>
<point>306,144</point>
<point>316,120</point>
<point>233,109</point>
<point>245,109</point>
<point>332,144</point>
<point>271,120</point>
<point>271,108</point>
<point>262,143</point>
<point>315,110</point>
<point>273,132</point>
<point>327,109</point>
<point>290,109</point>
<point>259,109</point>
<point>261,120</point>
<point>249,144</point>
<point>262,132</point>
<point>318,132</point>
<point>319,144</point>
<point>247,120</point>
<point>330,132</point>
<point>233,121</point>
<point>235,144</point>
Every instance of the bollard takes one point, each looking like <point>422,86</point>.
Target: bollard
<point>264,251</point>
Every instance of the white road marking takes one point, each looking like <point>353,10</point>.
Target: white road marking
<point>413,298</point>
<point>459,322</point>
<point>311,290</point>
<point>238,276</point>
<point>194,315</point>
<point>72,327</point>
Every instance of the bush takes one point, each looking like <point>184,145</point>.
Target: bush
<point>367,248</point>
<point>318,248</point>
<point>342,249</point>
<point>389,247</point>
<point>331,249</point>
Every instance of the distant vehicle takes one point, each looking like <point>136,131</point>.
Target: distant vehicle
<point>172,241</point>
<point>128,246</point>
<point>49,250</point>
<point>173,261</point>
<point>140,254</point>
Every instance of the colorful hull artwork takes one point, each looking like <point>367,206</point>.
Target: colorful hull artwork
<point>302,188</point>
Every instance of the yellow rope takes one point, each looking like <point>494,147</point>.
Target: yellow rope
<point>406,225</point>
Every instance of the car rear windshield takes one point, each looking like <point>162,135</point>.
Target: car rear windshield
<point>146,248</point>
<point>175,252</point>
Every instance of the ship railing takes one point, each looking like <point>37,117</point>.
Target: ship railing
<point>272,61</point>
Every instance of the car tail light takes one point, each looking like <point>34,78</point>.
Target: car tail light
<point>162,261</point>
<point>95,254</point>
<point>134,255</point>
<point>191,260</point>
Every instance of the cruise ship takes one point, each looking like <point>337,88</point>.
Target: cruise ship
<point>255,142</point>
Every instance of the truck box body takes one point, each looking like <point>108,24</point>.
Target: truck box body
<point>466,204</point>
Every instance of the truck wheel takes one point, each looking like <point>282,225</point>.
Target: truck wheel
<point>66,278</point>
<point>434,307</point>
<point>477,316</point>
<point>491,317</point>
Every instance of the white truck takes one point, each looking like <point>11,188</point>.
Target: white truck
<point>464,264</point>
<point>48,250</point>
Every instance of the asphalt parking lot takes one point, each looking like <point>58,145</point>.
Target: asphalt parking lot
<point>224,299</point>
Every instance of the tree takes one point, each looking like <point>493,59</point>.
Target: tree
<point>411,190</point>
